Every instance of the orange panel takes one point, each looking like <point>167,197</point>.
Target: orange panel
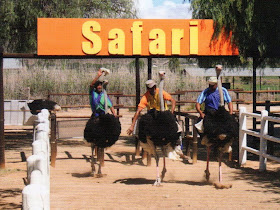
<point>63,36</point>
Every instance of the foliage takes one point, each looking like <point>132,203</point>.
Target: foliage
<point>246,80</point>
<point>18,27</point>
<point>253,24</point>
<point>132,64</point>
<point>174,64</point>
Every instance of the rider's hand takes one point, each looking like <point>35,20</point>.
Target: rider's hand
<point>202,115</point>
<point>99,73</point>
<point>130,130</point>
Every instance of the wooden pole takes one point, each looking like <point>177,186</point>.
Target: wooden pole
<point>2,139</point>
<point>149,68</point>
<point>137,68</point>
<point>254,91</point>
<point>53,140</point>
<point>194,121</point>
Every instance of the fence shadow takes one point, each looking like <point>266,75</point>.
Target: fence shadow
<point>15,142</point>
<point>9,193</point>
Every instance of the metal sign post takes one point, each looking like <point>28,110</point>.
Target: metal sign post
<point>2,139</point>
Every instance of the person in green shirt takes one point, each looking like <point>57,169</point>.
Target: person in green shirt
<point>97,99</point>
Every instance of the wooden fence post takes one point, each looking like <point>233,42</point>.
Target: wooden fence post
<point>53,140</point>
<point>194,121</point>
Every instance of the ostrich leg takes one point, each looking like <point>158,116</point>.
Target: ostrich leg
<point>158,180</point>
<point>164,164</point>
<point>92,159</point>
<point>220,166</point>
<point>207,173</point>
<point>99,155</point>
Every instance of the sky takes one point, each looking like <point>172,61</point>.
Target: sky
<point>163,9</point>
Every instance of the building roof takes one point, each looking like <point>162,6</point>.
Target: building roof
<point>195,71</point>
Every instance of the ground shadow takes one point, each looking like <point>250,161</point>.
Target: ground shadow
<point>135,181</point>
<point>70,142</point>
<point>142,181</point>
<point>130,158</point>
<point>82,175</point>
<point>128,140</point>
<point>7,193</point>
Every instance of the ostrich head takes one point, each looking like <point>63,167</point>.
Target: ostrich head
<point>218,73</point>
<point>161,75</point>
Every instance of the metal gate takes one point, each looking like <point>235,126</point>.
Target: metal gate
<point>73,128</point>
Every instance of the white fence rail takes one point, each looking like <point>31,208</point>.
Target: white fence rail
<point>36,195</point>
<point>263,135</point>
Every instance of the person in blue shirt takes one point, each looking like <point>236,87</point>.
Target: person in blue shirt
<point>210,96</point>
<point>96,97</point>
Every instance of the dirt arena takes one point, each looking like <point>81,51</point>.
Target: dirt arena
<point>128,183</point>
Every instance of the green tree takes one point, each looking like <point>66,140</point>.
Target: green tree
<point>18,27</point>
<point>254,24</point>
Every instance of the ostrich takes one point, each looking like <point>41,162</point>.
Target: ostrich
<point>102,131</point>
<point>37,105</point>
<point>220,130</point>
<point>158,129</point>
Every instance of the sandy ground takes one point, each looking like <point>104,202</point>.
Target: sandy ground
<point>128,183</point>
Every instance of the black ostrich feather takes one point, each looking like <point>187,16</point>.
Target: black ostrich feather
<point>220,122</point>
<point>160,126</point>
<point>39,104</point>
<point>103,131</point>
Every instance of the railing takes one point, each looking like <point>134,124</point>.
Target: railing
<point>190,131</point>
<point>179,102</point>
<point>263,135</point>
<point>36,194</point>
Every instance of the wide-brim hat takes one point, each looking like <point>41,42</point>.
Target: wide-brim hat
<point>150,83</point>
<point>212,80</point>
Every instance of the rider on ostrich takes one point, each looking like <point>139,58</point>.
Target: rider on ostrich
<point>102,129</point>
<point>97,102</point>
<point>220,128</point>
<point>210,96</point>
<point>158,127</point>
<point>152,101</point>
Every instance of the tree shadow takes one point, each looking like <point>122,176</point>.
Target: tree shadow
<point>269,181</point>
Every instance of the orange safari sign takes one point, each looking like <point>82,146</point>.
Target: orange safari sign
<point>129,37</point>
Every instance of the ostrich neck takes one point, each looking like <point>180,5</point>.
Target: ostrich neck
<point>222,103</point>
<point>161,95</point>
<point>105,101</point>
